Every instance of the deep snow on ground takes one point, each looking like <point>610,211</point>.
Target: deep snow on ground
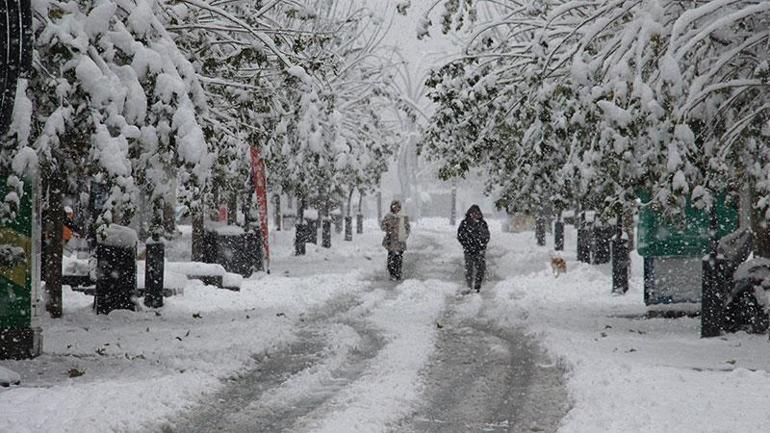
<point>134,371</point>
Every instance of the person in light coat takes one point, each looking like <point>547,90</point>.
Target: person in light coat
<point>396,228</point>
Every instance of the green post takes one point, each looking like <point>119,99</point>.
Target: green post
<point>20,334</point>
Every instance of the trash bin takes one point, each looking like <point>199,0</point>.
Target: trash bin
<point>115,269</point>
<point>229,246</point>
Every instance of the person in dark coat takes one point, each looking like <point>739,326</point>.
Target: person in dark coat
<point>473,235</point>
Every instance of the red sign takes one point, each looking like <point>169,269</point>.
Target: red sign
<point>260,187</point>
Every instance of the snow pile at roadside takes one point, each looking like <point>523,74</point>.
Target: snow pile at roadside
<point>626,373</point>
<point>8,377</point>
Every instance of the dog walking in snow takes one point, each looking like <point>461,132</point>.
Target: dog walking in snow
<point>558,266</point>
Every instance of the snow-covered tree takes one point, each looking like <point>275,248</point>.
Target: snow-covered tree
<point>665,96</point>
<point>113,101</point>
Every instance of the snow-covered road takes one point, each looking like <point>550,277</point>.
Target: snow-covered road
<point>326,344</point>
<point>354,369</point>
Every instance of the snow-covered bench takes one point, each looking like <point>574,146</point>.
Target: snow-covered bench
<point>211,274</point>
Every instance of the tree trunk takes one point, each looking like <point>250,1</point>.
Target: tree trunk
<point>300,235</point>
<point>360,214</point>
<point>540,227</point>
<point>232,208</point>
<point>629,226</point>
<point>379,206</point>
<point>558,233</point>
<point>620,258</point>
<point>350,202</point>
<point>360,202</point>
<point>198,218</point>
<point>761,231</point>
<point>453,208</point>
<point>325,221</point>
<point>169,209</point>
<point>277,212</point>
<point>54,225</point>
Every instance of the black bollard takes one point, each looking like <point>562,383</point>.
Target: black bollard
<point>359,224</point>
<point>712,296</point>
<point>540,231</point>
<point>115,278</point>
<point>558,236</point>
<point>326,234</point>
<point>601,246</point>
<point>312,232</point>
<point>153,275</point>
<point>649,280</point>
<point>620,262</point>
<point>348,228</point>
<point>584,243</point>
<point>300,237</point>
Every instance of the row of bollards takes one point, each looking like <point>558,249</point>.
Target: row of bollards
<point>596,244</point>
<point>307,232</point>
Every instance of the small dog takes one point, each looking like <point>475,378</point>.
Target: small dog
<point>558,266</point>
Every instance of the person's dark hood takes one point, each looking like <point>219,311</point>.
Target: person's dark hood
<point>473,208</point>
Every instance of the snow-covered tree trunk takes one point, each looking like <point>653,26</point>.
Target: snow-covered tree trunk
<point>453,205</point>
<point>197,213</point>
<point>408,167</point>
<point>760,230</point>
<point>277,212</point>
<point>232,207</point>
<point>53,228</point>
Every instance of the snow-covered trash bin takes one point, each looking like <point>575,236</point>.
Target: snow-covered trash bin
<point>748,303</point>
<point>115,269</point>
<point>233,248</point>
<point>9,378</point>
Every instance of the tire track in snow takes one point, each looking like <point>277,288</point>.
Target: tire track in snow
<point>330,352</point>
<point>485,378</point>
